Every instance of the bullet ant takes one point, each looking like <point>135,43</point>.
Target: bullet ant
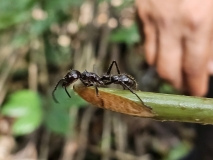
<point>92,79</point>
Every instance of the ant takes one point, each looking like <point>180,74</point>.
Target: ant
<point>92,79</point>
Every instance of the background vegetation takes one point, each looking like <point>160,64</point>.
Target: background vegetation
<point>39,42</point>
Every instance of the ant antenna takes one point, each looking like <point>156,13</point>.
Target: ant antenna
<point>53,95</point>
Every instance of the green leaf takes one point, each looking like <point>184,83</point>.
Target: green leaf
<point>167,88</point>
<point>126,35</point>
<point>26,124</point>
<point>65,101</point>
<point>25,106</point>
<point>57,120</point>
<point>178,151</point>
<point>21,103</point>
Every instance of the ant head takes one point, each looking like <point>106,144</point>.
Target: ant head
<point>69,78</point>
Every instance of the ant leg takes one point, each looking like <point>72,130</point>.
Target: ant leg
<point>87,84</point>
<point>130,89</point>
<point>96,91</point>
<point>110,68</point>
<point>67,92</point>
<point>84,83</point>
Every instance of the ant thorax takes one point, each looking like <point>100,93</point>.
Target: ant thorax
<point>106,77</point>
<point>90,78</point>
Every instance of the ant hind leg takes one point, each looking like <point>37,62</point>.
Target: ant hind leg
<point>110,68</point>
<point>130,89</point>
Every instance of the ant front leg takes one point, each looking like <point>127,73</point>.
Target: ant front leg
<point>91,84</point>
<point>110,68</point>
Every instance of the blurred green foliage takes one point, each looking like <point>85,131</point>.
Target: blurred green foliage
<point>25,107</point>
<point>167,88</point>
<point>26,29</point>
<point>20,18</point>
<point>128,35</point>
<point>11,15</point>
<point>179,151</point>
<point>29,109</point>
<point>57,117</point>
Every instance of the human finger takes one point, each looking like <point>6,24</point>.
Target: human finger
<point>149,31</point>
<point>169,62</point>
<point>210,63</point>
<point>150,42</point>
<point>197,54</point>
<point>210,66</point>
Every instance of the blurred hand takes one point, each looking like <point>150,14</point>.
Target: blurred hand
<point>179,36</point>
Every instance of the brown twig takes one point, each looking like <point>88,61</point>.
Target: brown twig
<point>120,131</point>
<point>84,133</point>
<point>71,144</point>
<point>106,135</point>
<point>117,154</point>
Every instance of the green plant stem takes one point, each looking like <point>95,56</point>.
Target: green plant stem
<point>172,107</point>
<point>165,107</point>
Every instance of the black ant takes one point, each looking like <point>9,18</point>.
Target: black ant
<point>92,79</point>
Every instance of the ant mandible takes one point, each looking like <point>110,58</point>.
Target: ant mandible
<point>92,79</point>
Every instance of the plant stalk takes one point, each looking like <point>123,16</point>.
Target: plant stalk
<point>164,107</point>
